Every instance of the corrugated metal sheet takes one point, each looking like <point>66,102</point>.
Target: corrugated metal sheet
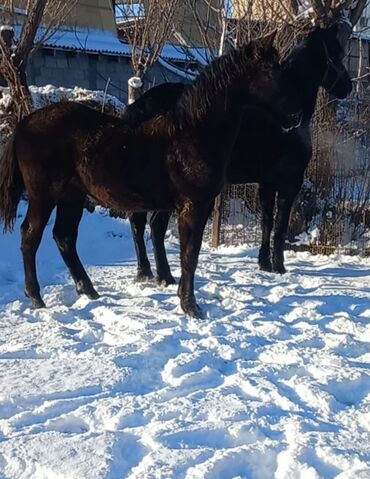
<point>96,33</point>
<point>96,41</point>
<point>105,42</point>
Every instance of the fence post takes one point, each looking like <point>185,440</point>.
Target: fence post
<point>216,219</point>
<point>216,222</point>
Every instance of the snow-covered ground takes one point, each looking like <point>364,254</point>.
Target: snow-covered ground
<point>275,383</point>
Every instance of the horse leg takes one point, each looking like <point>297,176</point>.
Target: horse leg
<point>191,221</point>
<point>158,224</point>
<point>32,228</point>
<point>138,222</point>
<point>281,227</point>
<point>267,200</point>
<point>68,217</point>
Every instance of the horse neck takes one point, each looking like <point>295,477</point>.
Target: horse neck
<point>309,103</point>
<point>301,85</point>
<point>216,100</point>
<point>222,118</point>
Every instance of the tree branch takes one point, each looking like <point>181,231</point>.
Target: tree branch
<point>29,31</point>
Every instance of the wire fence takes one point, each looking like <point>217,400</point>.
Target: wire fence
<point>332,211</point>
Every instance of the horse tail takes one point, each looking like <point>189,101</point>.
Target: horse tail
<point>11,185</point>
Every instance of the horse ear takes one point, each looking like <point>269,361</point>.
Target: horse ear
<point>343,33</point>
<point>266,42</point>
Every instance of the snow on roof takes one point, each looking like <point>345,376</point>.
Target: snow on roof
<point>181,53</point>
<point>98,41</point>
<point>103,41</point>
<point>362,36</point>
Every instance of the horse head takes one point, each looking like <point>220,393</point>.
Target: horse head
<point>316,61</point>
<point>328,49</point>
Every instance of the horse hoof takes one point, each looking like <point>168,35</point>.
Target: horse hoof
<point>166,281</point>
<point>193,310</point>
<point>88,290</point>
<point>93,294</point>
<point>38,303</point>
<point>280,269</point>
<point>265,265</point>
<point>144,276</point>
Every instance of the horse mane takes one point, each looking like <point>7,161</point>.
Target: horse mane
<point>160,125</point>
<point>190,105</point>
<point>215,78</point>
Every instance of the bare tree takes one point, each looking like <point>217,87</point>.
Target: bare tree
<point>329,10</point>
<point>14,57</point>
<point>147,26</point>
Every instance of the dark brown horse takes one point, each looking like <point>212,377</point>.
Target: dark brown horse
<point>177,161</point>
<point>264,152</point>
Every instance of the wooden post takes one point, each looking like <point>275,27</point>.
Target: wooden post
<point>216,221</point>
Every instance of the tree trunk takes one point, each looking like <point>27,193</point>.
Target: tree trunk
<point>13,61</point>
<point>15,77</point>
<point>217,209</point>
<point>216,221</point>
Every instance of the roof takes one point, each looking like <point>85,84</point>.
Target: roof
<point>361,35</point>
<point>93,41</point>
<point>106,42</point>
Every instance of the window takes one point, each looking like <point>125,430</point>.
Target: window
<point>128,10</point>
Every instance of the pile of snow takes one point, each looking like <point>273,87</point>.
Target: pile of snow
<point>274,383</point>
<point>42,96</point>
<point>45,95</point>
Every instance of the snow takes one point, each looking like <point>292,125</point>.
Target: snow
<point>7,28</point>
<point>107,42</point>
<point>185,53</point>
<point>44,95</point>
<point>274,383</point>
<point>90,40</point>
<point>186,74</point>
<point>135,82</point>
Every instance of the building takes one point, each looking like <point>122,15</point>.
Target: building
<point>359,55</point>
<point>184,19</point>
<point>86,51</point>
<point>262,10</point>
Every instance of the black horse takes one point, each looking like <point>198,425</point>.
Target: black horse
<point>264,152</point>
<point>63,152</point>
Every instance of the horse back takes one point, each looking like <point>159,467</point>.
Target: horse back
<point>68,145</point>
<point>52,142</point>
<point>154,102</point>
